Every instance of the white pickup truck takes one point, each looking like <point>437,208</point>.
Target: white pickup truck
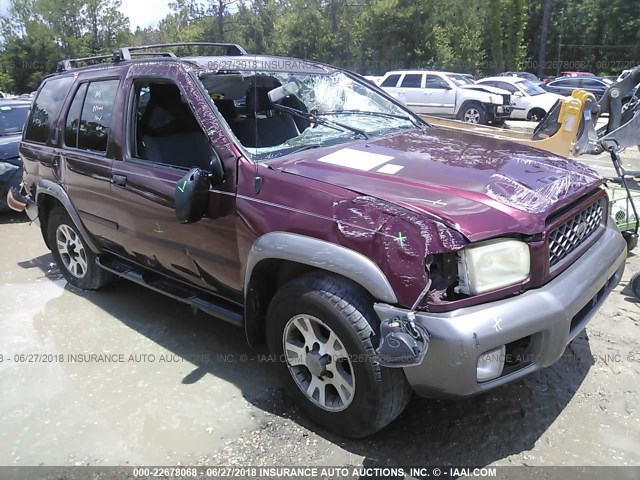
<point>448,94</point>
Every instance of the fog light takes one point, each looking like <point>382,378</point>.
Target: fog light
<point>490,364</point>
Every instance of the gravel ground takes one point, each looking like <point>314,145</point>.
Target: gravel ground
<point>194,393</point>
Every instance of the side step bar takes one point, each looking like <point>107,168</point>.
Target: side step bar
<point>171,288</point>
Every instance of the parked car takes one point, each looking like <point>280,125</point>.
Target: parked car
<point>564,86</point>
<point>13,114</point>
<point>576,74</point>
<point>526,75</point>
<point>448,94</point>
<point>530,102</point>
<point>373,253</point>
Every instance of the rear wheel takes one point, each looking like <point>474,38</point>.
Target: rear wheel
<point>74,259</point>
<point>473,112</point>
<point>322,330</point>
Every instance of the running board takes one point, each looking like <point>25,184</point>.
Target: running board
<point>171,288</point>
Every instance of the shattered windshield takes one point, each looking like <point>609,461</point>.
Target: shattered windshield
<point>278,113</point>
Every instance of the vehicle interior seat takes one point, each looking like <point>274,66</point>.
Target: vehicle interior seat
<point>264,126</point>
<point>169,133</point>
<point>294,102</point>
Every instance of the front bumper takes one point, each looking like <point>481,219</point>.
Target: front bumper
<point>547,318</point>
<point>501,111</point>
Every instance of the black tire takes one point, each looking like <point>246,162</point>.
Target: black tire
<point>536,115</point>
<point>380,394</point>
<point>473,110</point>
<point>89,277</point>
<point>635,285</point>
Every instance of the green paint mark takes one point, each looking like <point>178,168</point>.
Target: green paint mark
<point>400,239</point>
<point>211,133</point>
<point>184,185</point>
<point>158,229</point>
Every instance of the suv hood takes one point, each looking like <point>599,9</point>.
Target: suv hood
<point>480,186</point>
<point>486,88</point>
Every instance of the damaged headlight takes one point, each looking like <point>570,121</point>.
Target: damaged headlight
<point>492,265</point>
<point>7,167</point>
<point>497,99</point>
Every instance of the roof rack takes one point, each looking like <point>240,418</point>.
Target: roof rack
<point>127,53</point>
<point>233,49</point>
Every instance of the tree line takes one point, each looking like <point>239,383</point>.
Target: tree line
<point>369,36</point>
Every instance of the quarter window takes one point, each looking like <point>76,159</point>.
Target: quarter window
<point>45,109</point>
<point>390,81</point>
<point>73,118</point>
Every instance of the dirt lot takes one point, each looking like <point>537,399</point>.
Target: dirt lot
<point>179,388</point>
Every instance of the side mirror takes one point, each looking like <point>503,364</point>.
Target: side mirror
<point>192,196</point>
<point>216,170</point>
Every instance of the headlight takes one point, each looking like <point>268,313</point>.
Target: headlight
<point>492,265</point>
<point>7,167</point>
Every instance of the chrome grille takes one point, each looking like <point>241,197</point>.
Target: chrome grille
<point>571,234</point>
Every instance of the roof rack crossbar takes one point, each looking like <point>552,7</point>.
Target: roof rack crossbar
<point>233,49</point>
<point>126,53</point>
<point>65,65</point>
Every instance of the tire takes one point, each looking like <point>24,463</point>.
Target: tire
<point>473,112</point>
<point>635,285</point>
<point>536,115</point>
<point>74,259</point>
<point>322,304</point>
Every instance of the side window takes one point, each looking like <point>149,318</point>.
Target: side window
<point>95,119</point>
<point>390,81</point>
<point>506,86</point>
<point>45,108</point>
<point>72,123</point>
<point>412,80</point>
<point>163,129</point>
<point>434,81</point>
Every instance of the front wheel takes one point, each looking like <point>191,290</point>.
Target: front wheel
<point>473,112</point>
<point>322,330</point>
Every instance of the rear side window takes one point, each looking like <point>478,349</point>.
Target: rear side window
<point>89,118</point>
<point>390,81</point>
<point>45,109</point>
<point>412,80</point>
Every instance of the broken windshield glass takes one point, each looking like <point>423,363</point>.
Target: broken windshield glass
<point>277,113</point>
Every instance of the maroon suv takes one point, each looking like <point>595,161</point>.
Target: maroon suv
<point>376,255</point>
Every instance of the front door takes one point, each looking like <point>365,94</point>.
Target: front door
<point>164,140</point>
<point>441,98</point>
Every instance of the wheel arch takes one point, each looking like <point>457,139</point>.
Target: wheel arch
<point>48,195</point>
<point>277,257</point>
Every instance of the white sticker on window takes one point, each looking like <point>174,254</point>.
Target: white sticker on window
<point>390,168</point>
<point>357,159</point>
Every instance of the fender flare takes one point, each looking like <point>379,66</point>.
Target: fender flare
<point>322,255</point>
<point>52,189</point>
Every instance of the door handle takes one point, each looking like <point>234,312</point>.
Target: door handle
<point>120,180</point>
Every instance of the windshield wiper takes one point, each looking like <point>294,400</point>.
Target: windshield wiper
<point>369,112</point>
<point>320,121</point>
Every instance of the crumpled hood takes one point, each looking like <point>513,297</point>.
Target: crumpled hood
<point>480,186</point>
<point>486,88</point>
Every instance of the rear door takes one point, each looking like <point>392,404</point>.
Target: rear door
<point>86,153</point>
<point>412,92</point>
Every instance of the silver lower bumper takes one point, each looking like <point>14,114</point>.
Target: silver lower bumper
<point>549,316</point>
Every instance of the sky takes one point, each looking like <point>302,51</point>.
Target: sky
<point>142,13</point>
